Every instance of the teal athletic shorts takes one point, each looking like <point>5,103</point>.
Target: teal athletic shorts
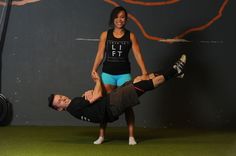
<point>115,80</point>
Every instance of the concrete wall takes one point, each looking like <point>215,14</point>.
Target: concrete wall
<point>50,47</point>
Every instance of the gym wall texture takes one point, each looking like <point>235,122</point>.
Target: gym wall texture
<point>50,47</point>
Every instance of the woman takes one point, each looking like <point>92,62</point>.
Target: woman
<point>115,45</point>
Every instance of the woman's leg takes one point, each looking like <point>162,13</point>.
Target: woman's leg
<point>130,119</point>
<point>103,126</point>
<point>102,129</point>
<point>129,113</point>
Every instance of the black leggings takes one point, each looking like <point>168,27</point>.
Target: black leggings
<point>142,86</point>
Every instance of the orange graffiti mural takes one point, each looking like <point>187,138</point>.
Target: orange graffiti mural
<point>166,2</point>
<point>19,3</point>
<point>178,37</point>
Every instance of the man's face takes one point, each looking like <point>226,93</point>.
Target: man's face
<point>60,102</point>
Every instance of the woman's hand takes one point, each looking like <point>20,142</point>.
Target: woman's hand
<point>145,77</point>
<point>88,95</point>
<point>95,76</point>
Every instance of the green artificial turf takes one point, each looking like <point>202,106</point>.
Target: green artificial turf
<point>77,141</point>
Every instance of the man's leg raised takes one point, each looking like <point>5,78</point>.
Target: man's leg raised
<point>156,79</point>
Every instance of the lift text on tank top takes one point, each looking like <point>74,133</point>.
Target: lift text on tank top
<point>117,54</point>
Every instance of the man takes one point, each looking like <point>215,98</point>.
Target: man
<point>96,108</point>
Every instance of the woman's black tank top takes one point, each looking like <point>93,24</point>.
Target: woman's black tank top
<point>117,54</point>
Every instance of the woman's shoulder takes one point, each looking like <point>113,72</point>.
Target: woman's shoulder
<point>132,35</point>
<point>110,30</point>
<point>103,34</point>
<point>129,32</point>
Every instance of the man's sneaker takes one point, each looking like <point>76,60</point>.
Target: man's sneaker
<point>179,66</point>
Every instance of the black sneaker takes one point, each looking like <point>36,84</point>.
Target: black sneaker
<point>179,66</point>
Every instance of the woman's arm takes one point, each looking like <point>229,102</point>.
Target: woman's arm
<point>96,93</point>
<point>138,55</point>
<point>100,52</point>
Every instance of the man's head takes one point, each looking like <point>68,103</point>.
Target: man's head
<point>58,102</point>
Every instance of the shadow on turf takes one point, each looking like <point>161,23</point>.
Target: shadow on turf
<point>88,135</point>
